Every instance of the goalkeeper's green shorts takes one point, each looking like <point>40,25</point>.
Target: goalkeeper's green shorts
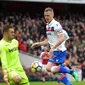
<point>22,74</point>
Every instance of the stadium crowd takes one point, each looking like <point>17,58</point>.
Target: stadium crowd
<point>30,29</point>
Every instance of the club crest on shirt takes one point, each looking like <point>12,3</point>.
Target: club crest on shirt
<point>56,24</point>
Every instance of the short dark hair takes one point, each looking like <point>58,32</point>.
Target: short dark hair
<point>48,9</point>
<point>6,28</point>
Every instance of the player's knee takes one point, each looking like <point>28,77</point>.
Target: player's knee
<point>55,69</point>
<point>17,79</point>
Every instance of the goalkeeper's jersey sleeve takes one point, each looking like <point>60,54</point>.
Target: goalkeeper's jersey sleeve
<point>9,55</point>
<point>3,56</point>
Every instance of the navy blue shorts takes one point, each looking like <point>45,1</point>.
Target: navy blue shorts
<point>58,57</point>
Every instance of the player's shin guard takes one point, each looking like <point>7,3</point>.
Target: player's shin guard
<point>64,79</point>
<point>60,69</point>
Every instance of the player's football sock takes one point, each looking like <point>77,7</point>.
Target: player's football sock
<point>58,81</point>
<point>64,70</point>
<point>74,74</point>
<point>64,79</point>
<point>60,69</point>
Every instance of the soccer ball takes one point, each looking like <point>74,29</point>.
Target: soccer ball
<point>36,66</point>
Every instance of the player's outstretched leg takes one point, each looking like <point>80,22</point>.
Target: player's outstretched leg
<point>59,69</point>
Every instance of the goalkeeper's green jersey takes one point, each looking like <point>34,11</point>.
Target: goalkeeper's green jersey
<point>9,55</point>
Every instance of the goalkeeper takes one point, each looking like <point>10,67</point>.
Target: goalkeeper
<point>12,69</point>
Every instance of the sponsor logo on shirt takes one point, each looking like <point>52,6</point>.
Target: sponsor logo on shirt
<point>13,49</point>
<point>56,24</point>
<point>50,29</point>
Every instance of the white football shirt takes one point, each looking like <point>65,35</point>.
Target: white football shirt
<point>52,31</point>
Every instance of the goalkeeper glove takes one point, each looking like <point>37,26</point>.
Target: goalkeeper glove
<point>6,77</point>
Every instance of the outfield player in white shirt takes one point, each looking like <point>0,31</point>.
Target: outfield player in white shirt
<point>56,38</point>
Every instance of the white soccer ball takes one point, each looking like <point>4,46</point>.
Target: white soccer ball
<point>36,66</point>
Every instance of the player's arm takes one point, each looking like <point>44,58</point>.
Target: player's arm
<point>45,42</point>
<point>3,59</point>
<point>46,57</point>
<point>4,64</point>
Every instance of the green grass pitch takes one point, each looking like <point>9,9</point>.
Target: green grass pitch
<point>51,83</point>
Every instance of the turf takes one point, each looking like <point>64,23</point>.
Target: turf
<point>54,83</point>
<point>51,83</point>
